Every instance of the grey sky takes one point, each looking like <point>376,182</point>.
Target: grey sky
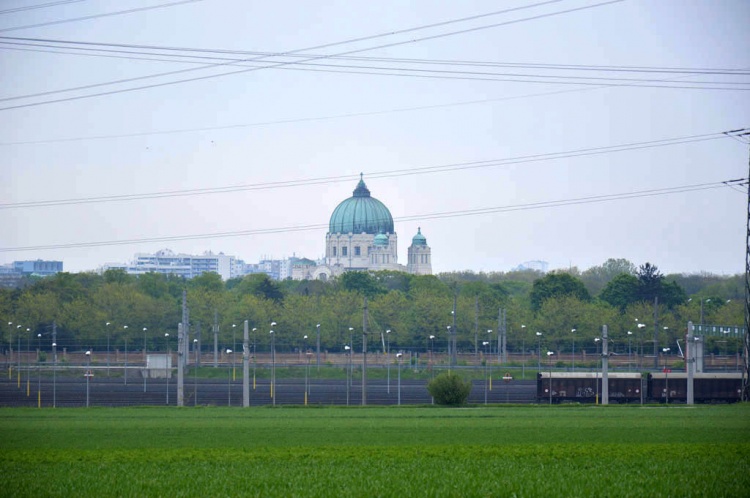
<point>378,123</point>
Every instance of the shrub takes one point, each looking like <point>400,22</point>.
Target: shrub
<point>449,389</point>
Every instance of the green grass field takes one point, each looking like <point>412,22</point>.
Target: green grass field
<point>701,451</point>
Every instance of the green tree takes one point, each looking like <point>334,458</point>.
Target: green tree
<point>621,291</point>
<point>361,282</point>
<point>555,285</point>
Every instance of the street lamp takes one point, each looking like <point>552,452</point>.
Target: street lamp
<point>666,374</point>
<point>539,352</point>
<point>307,370</point>
<point>166,364</point>
<point>347,349</point>
<point>146,372</point>
<point>88,375</point>
<point>599,359</point>
<point>195,373</point>
<point>485,344</point>
<point>107,327</point>
<point>489,357</point>
<point>351,352</point>
<point>630,334</point>
<point>254,329</point>
<point>398,357</point>
<point>39,371</point>
<point>125,369</point>
<point>229,384</point>
<point>523,351</point>
<point>549,360</point>
<point>573,331</point>
<point>317,346</point>
<point>388,357</point>
<point>54,375</point>
<point>234,348</point>
<point>273,365</point>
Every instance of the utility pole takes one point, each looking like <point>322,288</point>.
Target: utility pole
<point>180,371</point>
<point>605,367</point>
<point>656,332</point>
<point>454,357</point>
<point>246,366</point>
<point>216,339</point>
<point>743,135</point>
<point>476,326</point>
<point>364,354</point>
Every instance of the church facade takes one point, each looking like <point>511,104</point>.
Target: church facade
<point>361,236</point>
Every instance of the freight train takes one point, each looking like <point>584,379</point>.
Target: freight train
<point>658,387</point>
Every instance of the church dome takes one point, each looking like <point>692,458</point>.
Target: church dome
<point>361,213</point>
<point>419,239</point>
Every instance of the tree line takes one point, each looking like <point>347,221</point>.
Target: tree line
<point>564,307</point>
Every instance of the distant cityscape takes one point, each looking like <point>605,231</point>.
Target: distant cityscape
<point>188,266</point>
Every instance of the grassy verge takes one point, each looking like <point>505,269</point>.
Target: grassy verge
<point>393,451</point>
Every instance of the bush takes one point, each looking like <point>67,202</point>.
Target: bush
<point>449,389</point>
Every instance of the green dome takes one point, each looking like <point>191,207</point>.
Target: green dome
<point>361,213</point>
<point>419,239</point>
<point>381,239</point>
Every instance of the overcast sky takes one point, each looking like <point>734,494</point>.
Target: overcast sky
<point>338,104</point>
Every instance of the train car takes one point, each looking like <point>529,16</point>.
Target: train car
<point>668,387</point>
<point>586,387</point>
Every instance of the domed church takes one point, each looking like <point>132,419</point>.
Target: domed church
<point>361,237</point>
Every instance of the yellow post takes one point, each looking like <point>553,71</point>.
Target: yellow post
<point>272,389</point>
<point>19,379</point>
<point>39,399</point>
<point>305,398</point>
<point>28,387</point>
<point>234,373</point>
<point>490,383</point>
<point>253,381</point>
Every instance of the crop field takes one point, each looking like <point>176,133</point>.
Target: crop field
<point>535,451</point>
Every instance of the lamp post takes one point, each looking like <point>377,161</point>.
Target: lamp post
<point>450,357</point>
<point>347,349</point>
<point>107,327</point>
<point>166,364</point>
<point>28,362</point>
<point>599,359</point>
<point>307,368</point>
<point>351,351</point>
<point>145,360</point>
<point>539,352</point>
<point>388,357</point>
<point>195,373</point>
<point>229,384</point>
<point>398,357</point>
<point>573,331</point>
<point>486,358</point>
<point>640,339</point>
<point>549,361</point>
<point>234,348</point>
<point>432,347</point>
<point>523,351</point>
<point>54,375</point>
<point>125,368</point>
<point>630,363</point>
<point>273,365</point>
<point>317,346</point>
<point>489,357</point>
<point>88,375</point>
<point>666,374</point>
<point>254,329</point>
<point>10,350</point>
<point>39,371</point>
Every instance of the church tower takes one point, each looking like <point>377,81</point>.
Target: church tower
<point>419,256</point>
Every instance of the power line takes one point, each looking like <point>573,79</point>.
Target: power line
<point>383,174</point>
<point>97,16</point>
<point>38,6</point>
<point>427,73</point>
<point>117,48</point>
<point>428,216</point>
<point>279,64</point>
